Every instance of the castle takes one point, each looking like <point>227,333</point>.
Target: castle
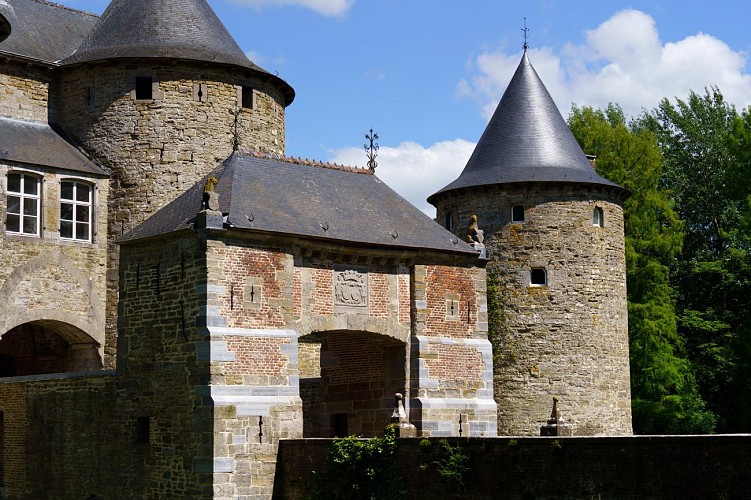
<point>179,295</point>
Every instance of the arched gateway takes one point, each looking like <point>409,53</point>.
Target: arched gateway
<point>348,380</point>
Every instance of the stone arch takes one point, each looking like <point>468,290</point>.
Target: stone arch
<point>46,345</point>
<point>348,380</point>
<point>89,320</point>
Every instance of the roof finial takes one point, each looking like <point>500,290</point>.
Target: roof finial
<point>371,150</point>
<point>526,35</point>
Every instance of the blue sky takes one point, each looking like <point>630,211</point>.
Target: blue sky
<point>426,75</point>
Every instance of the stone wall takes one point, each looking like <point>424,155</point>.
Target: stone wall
<point>50,281</point>
<point>162,292</point>
<point>661,467</point>
<point>451,357</point>
<point>58,428</point>
<point>156,149</point>
<point>25,90</point>
<point>569,337</point>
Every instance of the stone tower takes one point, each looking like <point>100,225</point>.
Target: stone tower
<point>160,94</point>
<point>555,237</point>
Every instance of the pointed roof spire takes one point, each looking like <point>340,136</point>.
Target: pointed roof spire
<point>172,29</point>
<point>526,140</point>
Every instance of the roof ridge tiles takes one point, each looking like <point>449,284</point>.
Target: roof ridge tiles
<point>65,7</point>
<point>305,161</point>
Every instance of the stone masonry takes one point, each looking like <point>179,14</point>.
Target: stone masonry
<point>570,337</point>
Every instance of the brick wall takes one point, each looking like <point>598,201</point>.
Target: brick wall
<point>43,416</point>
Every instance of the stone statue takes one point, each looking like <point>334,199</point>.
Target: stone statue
<point>210,196</point>
<point>476,236</point>
<point>400,420</point>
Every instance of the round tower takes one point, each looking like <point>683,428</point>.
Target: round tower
<point>557,276</point>
<point>160,94</point>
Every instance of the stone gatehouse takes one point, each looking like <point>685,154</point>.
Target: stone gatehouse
<point>172,309</point>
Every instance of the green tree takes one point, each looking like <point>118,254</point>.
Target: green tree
<point>704,142</point>
<point>664,392</point>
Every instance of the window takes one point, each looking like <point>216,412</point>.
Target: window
<point>199,92</point>
<point>22,209</point>
<point>538,277</point>
<point>75,211</point>
<point>450,221</point>
<point>246,97</point>
<point>598,217</point>
<point>144,88</point>
<point>517,213</point>
<point>143,430</point>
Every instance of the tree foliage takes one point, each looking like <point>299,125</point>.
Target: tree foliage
<point>705,146</point>
<point>664,392</point>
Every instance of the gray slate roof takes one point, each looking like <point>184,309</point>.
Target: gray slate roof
<point>41,30</point>
<point>174,29</point>
<point>526,140</point>
<point>283,196</point>
<point>36,143</point>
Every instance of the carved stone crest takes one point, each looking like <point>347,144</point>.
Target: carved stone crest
<point>350,288</point>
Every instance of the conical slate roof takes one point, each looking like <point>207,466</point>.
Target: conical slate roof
<point>173,29</point>
<point>527,140</point>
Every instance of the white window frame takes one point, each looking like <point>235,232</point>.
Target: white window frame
<point>598,217</point>
<point>76,206</point>
<point>524,214</point>
<point>23,196</point>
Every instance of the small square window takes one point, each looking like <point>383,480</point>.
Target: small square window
<point>598,218</point>
<point>517,213</point>
<point>538,277</point>
<point>247,97</point>
<point>144,88</point>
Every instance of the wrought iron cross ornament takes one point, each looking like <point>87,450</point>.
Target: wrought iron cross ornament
<point>526,35</point>
<point>371,150</point>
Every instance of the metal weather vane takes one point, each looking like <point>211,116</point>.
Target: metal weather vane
<point>371,150</point>
<point>526,35</point>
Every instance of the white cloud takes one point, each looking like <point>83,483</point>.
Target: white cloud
<point>412,170</point>
<point>622,60</point>
<point>330,8</point>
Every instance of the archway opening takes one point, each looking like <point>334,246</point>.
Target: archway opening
<point>42,347</point>
<point>348,381</point>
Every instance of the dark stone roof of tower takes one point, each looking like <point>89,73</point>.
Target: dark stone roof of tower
<point>173,29</point>
<point>309,199</point>
<point>41,30</point>
<point>526,140</point>
<point>35,143</point>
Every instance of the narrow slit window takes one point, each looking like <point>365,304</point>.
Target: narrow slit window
<point>22,208</point>
<point>517,213</point>
<point>144,88</point>
<point>143,430</point>
<point>246,97</point>
<point>75,211</point>
<point>450,221</point>
<point>598,217</point>
<point>538,277</point>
